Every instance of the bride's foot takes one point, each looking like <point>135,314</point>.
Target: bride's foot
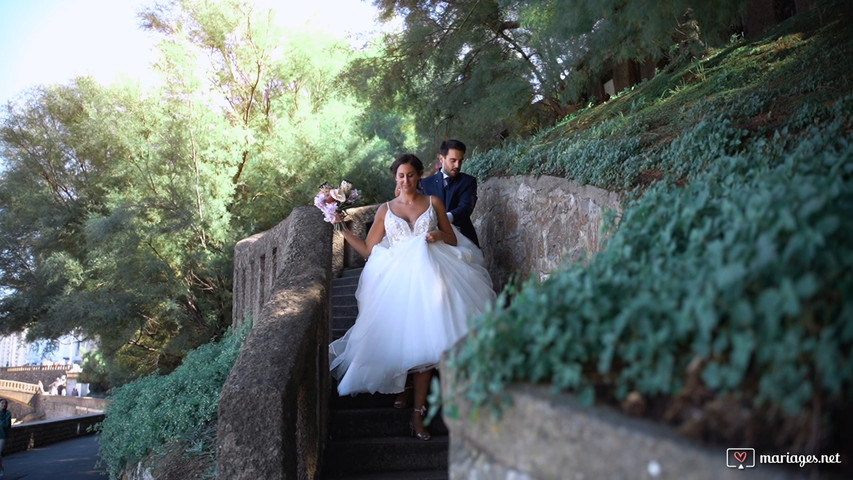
<point>402,400</point>
<point>417,424</point>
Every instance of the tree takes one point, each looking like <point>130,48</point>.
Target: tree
<point>292,123</point>
<point>119,207</point>
<point>486,69</point>
<point>112,224</point>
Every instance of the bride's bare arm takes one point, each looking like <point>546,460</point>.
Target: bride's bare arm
<point>377,230</point>
<point>374,236</point>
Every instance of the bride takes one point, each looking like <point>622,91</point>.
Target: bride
<point>421,284</point>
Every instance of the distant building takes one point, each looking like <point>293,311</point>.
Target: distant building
<point>66,350</point>
<point>14,350</point>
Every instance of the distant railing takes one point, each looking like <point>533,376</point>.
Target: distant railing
<point>19,386</point>
<point>39,368</point>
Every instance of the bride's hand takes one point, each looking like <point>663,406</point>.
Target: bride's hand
<point>433,236</point>
<point>339,218</point>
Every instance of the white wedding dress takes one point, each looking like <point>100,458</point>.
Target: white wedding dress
<point>415,300</point>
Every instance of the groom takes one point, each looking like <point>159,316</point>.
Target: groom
<point>457,189</point>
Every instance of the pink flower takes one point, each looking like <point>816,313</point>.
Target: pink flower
<point>330,200</point>
<point>338,195</point>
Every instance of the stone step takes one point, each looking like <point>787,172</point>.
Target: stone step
<point>346,285</point>
<point>339,332</point>
<point>340,299</point>
<point>343,291</point>
<point>344,311</point>
<point>343,322</point>
<point>369,439</point>
<point>351,272</point>
<point>363,400</point>
<point>378,422</point>
<point>384,455</point>
<point>440,474</point>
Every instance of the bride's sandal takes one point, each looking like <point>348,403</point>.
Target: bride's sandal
<point>420,435</point>
<point>402,400</point>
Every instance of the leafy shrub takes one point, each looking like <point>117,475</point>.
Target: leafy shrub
<point>151,411</point>
<point>749,267</point>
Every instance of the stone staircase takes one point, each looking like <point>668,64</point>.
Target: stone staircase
<point>368,437</point>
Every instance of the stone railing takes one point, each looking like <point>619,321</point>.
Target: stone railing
<point>19,392</point>
<point>36,373</point>
<point>273,408</point>
<point>19,386</point>
<point>37,368</point>
<point>359,221</point>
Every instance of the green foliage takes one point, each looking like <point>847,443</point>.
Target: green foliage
<point>152,411</point>
<point>127,237</point>
<point>749,267</point>
<point>733,251</point>
<point>120,207</point>
<point>289,125</point>
<point>94,373</point>
<point>678,122</point>
<point>486,71</point>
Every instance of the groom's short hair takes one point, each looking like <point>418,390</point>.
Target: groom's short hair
<point>451,144</point>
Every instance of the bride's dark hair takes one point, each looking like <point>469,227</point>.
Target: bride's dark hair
<point>409,158</point>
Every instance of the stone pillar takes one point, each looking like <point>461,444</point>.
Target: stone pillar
<point>72,384</point>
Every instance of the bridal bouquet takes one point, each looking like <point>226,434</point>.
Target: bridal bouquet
<point>330,200</point>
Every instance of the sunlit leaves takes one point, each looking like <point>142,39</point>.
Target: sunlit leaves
<point>119,207</point>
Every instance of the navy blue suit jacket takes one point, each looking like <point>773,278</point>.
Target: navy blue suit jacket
<point>459,199</point>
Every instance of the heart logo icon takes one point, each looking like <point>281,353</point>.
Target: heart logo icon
<point>740,456</point>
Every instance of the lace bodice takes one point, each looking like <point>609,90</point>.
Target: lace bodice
<point>397,228</point>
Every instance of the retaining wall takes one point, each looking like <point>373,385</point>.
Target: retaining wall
<point>529,225</point>
<point>548,436</point>
<point>273,413</point>
<point>39,434</point>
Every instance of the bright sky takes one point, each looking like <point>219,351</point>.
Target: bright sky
<point>53,41</point>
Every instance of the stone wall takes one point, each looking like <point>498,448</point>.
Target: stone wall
<point>258,260</point>
<point>528,225</point>
<point>60,406</point>
<point>39,434</point>
<point>359,221</point>
<point>547,436</point>
<point>272,420</point>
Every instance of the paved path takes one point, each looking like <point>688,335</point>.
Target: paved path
<point>69,460</point>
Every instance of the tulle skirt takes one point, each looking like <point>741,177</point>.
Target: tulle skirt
<point>415,300</point>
